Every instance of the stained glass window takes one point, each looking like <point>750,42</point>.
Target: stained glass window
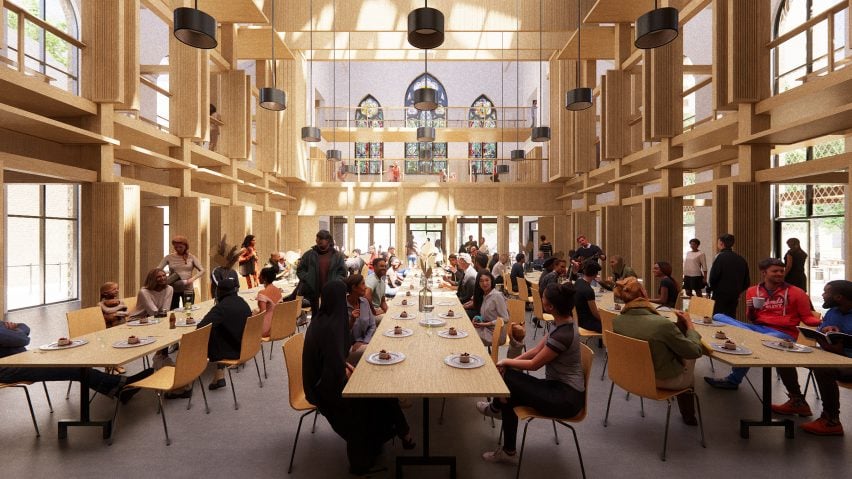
<point>425,158</point>
<point>482,114</point>
<point>368,156</point>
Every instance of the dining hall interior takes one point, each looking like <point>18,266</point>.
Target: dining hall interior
<point>528,121</point>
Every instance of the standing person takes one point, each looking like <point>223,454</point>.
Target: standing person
<point>411,251</point>
<point>794,264</point>
<point>442,176</point>
<point>586,251</point>
<point>774,308</point>
<point>667,292</point>
<point>376,285</point>
<point>365,424</point>
<point>545,247</point>
<point>319,265</point>
<point>534,112</point>
<point>728,277</point>
<point>492,305</point>
<point>228,318</point>
<point>694,269</point>
<point>248,261</point>
<point>529,249</point>
<point>215,121</point>
<point>342,170</point>
<point>393,172</point>
<point>560,393</point>
<point>474,172</point>
<point>181,265</point>
<point>471,243</point>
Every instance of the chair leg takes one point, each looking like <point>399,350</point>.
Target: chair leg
<point>259,380</point>
<point>233,390</point>
<point>666,433</point>
<point>191,392</point>
<point>641,406</point>
<point>271,348</point>
<point>759,398</point>
<point>608,401</point>
<point>441,417</point>
<point>163,415</point>
<point>114,422</point>
<point>203,394</point>
<point>807,385</point>
<point>314,428</point>
<point>576,443</point>
<point>523,443</point>
<point>555,434</point>
<point>606,361</point>
<point>32,411</point>
<point>68,392</point>
<point>50,404</point>
<point>712,367</point>
<point>296,440</point>
<point>700,421</point>
<point>263,357</point>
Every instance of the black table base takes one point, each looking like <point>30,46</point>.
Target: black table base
<point>85,413</point>
<point>426,459</point>
<point>767,420</point>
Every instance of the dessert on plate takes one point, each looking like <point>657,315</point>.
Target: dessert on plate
<point>720,335</point>
<point>63,342</point>
<point>452,332</point>
<point>397,330</point>
<point>384,355</point>
<point>132,340</point>
<point>730,345</point>
<point>464,358</point>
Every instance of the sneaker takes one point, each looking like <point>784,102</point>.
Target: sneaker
<point>485,408</point>
<point>793,406</point>
<point>501,457</point>
<point>823,427</point>
<point>722,383</point>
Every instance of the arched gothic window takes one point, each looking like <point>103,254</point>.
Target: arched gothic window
<point>425,158</point>
<point>368,156</point>
<point>482,114</point>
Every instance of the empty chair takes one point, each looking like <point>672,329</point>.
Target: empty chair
<point>190,364</point>
<point>606,325</point>
<point>700,306</point>
<point>538,310</point>
<point>494,349</point>
<point>632,369</point>
<point>84,321</point>
<point>293,362</point>
<point>523,291</point>
<point>507,282</point>
<point>249,347</point>
<point>283,326</point>
<point>23,385</point>
<point>527,414</point>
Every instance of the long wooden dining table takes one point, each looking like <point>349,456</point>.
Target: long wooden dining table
<point>760,355</point>
<point>424,373</point>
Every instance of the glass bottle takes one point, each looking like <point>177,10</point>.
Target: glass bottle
<point>425,296</point>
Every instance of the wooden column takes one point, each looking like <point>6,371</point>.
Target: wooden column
<point>750,222</point>
<point>101,238</point>
<point>662,71</point>
<point>720,55</point>
<point>265,228</point>
<point>151,236</point>
<point>617,100</point>
<point>103,58</point>
<point>131,281</point>
<point>617,229</point>
<point>4,280</point>
<point>666,236</point>
<point>747,33</point>
<point>189,108</point>
<point>130,57</point>
<point>235,91</point>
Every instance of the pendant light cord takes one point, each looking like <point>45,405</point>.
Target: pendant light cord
<point>311,73</point>
<point>517,70</point>
<point>272,36</point>
<point>349,93</point>
<point>540,88</point>
<point>579,24</point>
<point>333,73</point>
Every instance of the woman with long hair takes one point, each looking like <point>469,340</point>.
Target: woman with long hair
<point>492,306</point>
<point>668,291</point>
<point>181,265</point>
<point>268,298</point>
<point>362,321</point>
<point>154,296</point>
<point>248,261</point>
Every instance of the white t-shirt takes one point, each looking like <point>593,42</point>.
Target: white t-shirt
<point>695,264</point>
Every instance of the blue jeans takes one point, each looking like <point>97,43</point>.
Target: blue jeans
<point>737,374</point>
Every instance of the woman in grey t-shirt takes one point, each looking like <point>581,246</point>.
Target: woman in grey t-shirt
<point>560,394</point>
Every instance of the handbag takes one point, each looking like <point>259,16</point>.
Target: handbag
<point>173,278</point>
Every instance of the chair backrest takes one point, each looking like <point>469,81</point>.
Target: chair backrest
<point>243,282</point>
<point>251,337</point>
<point>538,306</point>
<point>607,317</point>
<point>630,365</point>
<point>523,291</point>
<point>586,356</point>
<point>507,281</point>
<point>495,339</point>
<point>293,361</point>
<point>192,356</point>
<point>284,319</point>
<point>701,306</point>
<point>365,270</point>
<point>517,311</point>
<point>85,321</point>
<point>802,339</point>
<point>130,302</point>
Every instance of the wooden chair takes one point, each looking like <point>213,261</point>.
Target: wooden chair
<point>633,370</point>
<point>607,317</point>
<point>507,282</point>
<point>700,306</point>
<point>538,311</point>
<point>494,349</point>
<point>293,363</point>
<point>23,385</point>
<point>190,364</point>
<point>130,302</point>
<point>524,292</point>
<point>527,414</point>
<point>242,282</point>
<point>283,326</point>
<point>249,347</point>
<point>84,321</point>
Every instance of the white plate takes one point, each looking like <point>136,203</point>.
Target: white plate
<point>405,333</point>
<point>395,358</point>
<point>432,322</point>
<point>445,333</point>
<point>195,307</point>
<point>410,302</point>
<point>740,350</point>
<point>715,324</point>
<point>797,348</point>
<point>454,361</point>
<point>182,324</point>
<point>142,342</point>
<point>410,316</point>
<point>55,347</point>
<point>136,322</point>
<point>446,303</point>
<point>455,315</point>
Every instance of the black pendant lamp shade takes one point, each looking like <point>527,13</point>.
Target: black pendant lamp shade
<point>424,153</point>
<point>541,134</point>
<point>333,155</point>
<point>656,28</point>
<point>517,155</point>
<point>425,99</point>
<point>273,99</point>
<point>195,28</point>
<point>311,134</point>
<point>425,28</point>
<point>425,134</point>
<point>578,99</point>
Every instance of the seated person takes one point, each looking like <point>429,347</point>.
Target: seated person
<point>112,307</point>
<point>377,286</point>
<point>354,263</point>
<point>492,305</point>
<point>454,273</point>
<point>499,268</point>
<point>619,271</point>
<point>560,393</point>
<point>667,293</point>
<point>155,296</point>
<point>14,337</point>
<point>365,423</point>
<point>278,264</point>
<point>837,295</point>
<point>538,262</point>
<point>228,318</point>
<point>558,268</point>
<point>517,271</point>
<point>467,286</point>
<point>362,322</point>
<point>674,346</point>
<point>394,278</point>
<point>587,308</point>
<point>267,298</point>
<point>783,308</point>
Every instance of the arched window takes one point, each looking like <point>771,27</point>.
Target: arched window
<point>482,114</point>
<point>47,53</point>
<point>425,158</point>
<point>368,155</point>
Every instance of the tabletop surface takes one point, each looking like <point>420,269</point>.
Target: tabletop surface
<point>423,373</point>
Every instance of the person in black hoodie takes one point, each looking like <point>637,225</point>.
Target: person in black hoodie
<point>319,265</point>
<point>228,318</point>
<point>728,277</point>
<point>365,424</point>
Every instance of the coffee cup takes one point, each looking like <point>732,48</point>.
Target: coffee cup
<point>757,302</point>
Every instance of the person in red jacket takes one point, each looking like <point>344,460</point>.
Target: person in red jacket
<point>775,308</point>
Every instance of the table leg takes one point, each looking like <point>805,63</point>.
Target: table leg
<point>767,420</point>
<point>85,412</point>
<point>426,459</point>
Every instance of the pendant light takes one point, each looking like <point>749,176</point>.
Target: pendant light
<point>517,154</point>
<point>194,27</point>
<point>311,134</point>
<point>656,28</point>
<point>425,133</point>
<point>579,98</point>
<point>271,98</point>
<point>425,27</point>
<point>425,98</point>
<point>333,154</point>
<point>540,133</point>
